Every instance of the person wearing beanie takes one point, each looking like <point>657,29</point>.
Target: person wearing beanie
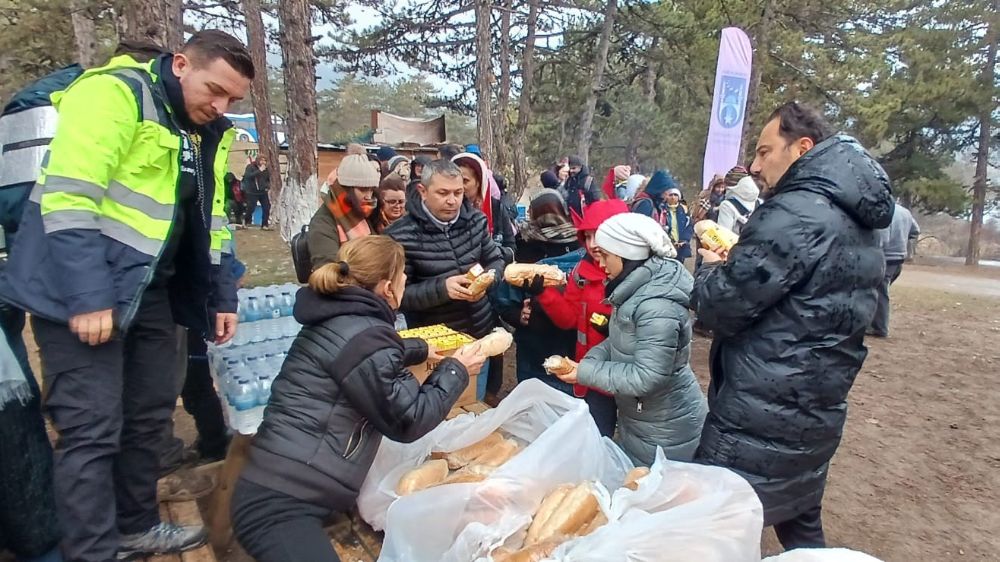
<point>547,238</point>
<point>398,166</point>
<point>356,148</point>
<point>645,361</point>
<point>582,308</point>
<point>742,201</point>
<point>734,175</point>
<point>621,176</point>
<point>580,188</point>
<point>707,204</point>
<point>344,211</point>
<point>385,153</point>
<point>550,180</point>
<point>449,151</point>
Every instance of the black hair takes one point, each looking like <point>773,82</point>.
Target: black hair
<point>141,51</point>
<point>206,46</point>
<point>796,121</point>
<point>449,151</point>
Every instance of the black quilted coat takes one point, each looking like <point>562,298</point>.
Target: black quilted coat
<point>434,253</point>
<point>789,311</point>
<point>342,388</point>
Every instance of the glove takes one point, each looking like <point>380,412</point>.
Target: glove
<point>534,287</point>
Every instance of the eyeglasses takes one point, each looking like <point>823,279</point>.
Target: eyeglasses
<point>394,201</point>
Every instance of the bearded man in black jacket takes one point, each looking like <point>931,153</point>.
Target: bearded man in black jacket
<point>443,237</point>
<point>789,309</point>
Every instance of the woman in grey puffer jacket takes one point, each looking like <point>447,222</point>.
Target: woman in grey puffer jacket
<point>644,362</point>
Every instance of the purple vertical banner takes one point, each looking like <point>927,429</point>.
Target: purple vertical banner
<point>732,79</point>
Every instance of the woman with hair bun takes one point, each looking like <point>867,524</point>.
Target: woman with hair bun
<point>344,386</point>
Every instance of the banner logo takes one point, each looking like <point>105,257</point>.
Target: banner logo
<point>733,101</point>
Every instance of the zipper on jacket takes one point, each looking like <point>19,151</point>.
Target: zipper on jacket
<point>638,405</point>
<point>348,451</point>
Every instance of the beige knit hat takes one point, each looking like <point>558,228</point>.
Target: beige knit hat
<point>356,171</point>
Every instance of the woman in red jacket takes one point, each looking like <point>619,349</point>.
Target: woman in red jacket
<point>582,307</point>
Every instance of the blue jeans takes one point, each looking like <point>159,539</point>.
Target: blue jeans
<point>484,375</point>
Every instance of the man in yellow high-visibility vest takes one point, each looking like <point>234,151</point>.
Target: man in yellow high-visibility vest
<point>121,238</point>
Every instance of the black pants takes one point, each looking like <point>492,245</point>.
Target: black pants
<point>803,531</point>
<point>880,324</point>
<point>28,524</point>
<point>274,527</point>
<point>265,204</point>
<point>604,411</point>
<point>110,403</point>
<point>495,380</point>
<point>201,401</point>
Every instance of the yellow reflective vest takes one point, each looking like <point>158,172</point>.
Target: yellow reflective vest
<point>110,179</point>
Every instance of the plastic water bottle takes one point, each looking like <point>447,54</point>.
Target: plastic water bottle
<point>244,395</point>
<point>287,302</point>
<point>272,308</point>
<point>254,314</point>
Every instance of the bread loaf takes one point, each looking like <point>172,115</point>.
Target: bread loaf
<point>633,477</point>
<point>597,522</point>
<point>558,365</point>
<point>574,511</point>
<point>466,455</point>
<point>463,476</point>
<point>482,282</point>
<point>495,343</point>
<point>499,454</point>
<point>429,474</point>
<point>475,271</point>
<point>533,553</point>
<point>545,511</point>
<point>518,273</point>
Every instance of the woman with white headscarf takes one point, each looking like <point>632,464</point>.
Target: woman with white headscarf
<point>645,362</point>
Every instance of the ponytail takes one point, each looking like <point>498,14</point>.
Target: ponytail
<point>364,262</point>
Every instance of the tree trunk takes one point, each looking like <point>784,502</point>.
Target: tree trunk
<point>983,154</point>
<point>83,33</point>
<point>501,124</point>
<point>587,116</point>
<point>299,196</point>
<point>145,21</point>
<point>520,183</point>
<point>649,94</point>
<point>259,93</point>
<point>484,79</point>
<point>173,11</point>
<point>760,42</point>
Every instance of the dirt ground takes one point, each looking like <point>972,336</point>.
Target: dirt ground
<point>917,476</point>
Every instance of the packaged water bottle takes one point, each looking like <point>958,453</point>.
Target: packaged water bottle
<point>287,302</point>
<point>254,314</point>
<point>272,308</point>
<point>244,394</point>
<point>264,390</point>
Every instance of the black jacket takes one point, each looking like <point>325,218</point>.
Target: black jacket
<point>255,180</point>
<point>343,386</point>
<point>434,254</point>
<point>581,190</point>
<point>789,310</point>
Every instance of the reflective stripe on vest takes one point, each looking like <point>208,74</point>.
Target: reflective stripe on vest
<point>24,141</point>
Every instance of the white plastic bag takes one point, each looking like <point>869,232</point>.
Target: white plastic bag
<point>822,555</point>
<point>464,522</point>
<point>680,512</point>
<point>530,410</point>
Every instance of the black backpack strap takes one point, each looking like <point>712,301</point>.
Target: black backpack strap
<point>740,207</point>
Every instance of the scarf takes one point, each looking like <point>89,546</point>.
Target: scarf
<point>550,228</point>
<point>349,213</point>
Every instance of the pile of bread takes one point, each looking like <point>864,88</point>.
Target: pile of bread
<point>468,464</point>
<point>566,513</point>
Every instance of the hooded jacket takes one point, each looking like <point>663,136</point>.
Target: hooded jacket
<point>789,310</point>
<point>645,363</point>
<point>435,253</point>
<point>584,293</point>
<point>745,192</point>
<point>342,388</point>
<point>581,190</point>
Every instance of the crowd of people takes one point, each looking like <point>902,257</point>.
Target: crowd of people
<point>121,237</point>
